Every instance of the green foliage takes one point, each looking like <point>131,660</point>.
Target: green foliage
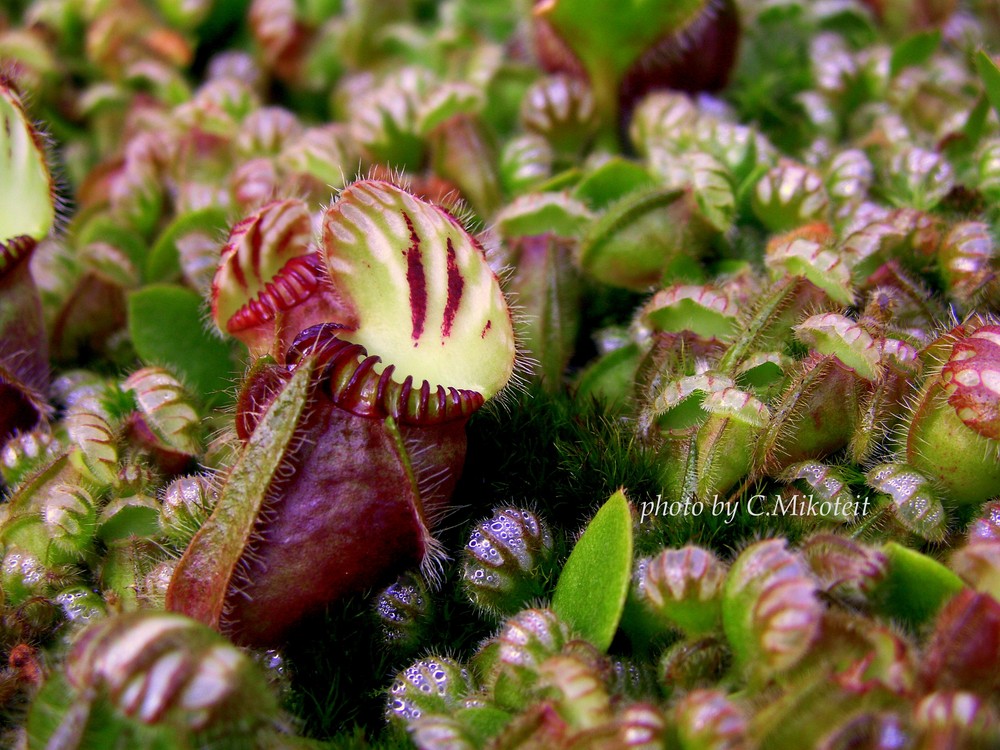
<point>196,355</point>
<point>590,594</point>
<point>608,38</point>
<point>990,75</point>
<point>915,50</point>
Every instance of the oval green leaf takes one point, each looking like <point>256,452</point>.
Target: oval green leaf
<point>990,76</point>
<point>168,329</point>
<point>914,51</point>
<point>590,594</point>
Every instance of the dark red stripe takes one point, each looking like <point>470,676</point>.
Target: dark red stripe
<point>256,247</point>
<point>455,286</point>
<point>417,281</point>
<point>234,261</point>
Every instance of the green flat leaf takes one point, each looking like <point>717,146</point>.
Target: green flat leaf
<point>780,13</point>
<point>164,261</point>
<point>850,21</point>
<point>914,51</point>
<point>916,586</point>
<point>609,34</point>
<point>975,124</point>
<point>590,594</point>
<point>168,329</point>
<point>966,140</point>
<point>990,74</point>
